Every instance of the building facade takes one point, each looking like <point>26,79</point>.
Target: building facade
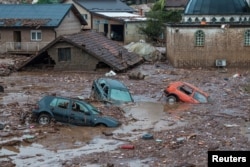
<point>211,34</point>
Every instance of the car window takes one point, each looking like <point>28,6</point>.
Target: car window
<point>187,90</point>
<point>106,91</point>
<point>53,102</point>
<point>79,107</point>
<point>92,109</point>
<point>75,106</point>
<point>200,97</point>
<point>102,83</point>
<point>62,103</point>
<point>120,95</point>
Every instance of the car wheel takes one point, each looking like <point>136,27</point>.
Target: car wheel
<point>44,119</point>
<point>171,99</point>
<point>147,136</point>
<point>101,125</point>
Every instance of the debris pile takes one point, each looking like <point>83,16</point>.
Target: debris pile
<point>10,63</point>
<point>6,69</point>
<point>146,50</point>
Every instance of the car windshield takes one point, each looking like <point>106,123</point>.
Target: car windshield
<point>93,109</point>
<point>120,95</point>
<point>200,97</point>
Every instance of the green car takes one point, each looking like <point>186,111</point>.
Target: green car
<point>110,90</point>
<point>72,111</point>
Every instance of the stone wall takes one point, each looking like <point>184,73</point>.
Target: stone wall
<point>227,44</point>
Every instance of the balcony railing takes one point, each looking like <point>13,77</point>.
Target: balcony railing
<point>25,47</point>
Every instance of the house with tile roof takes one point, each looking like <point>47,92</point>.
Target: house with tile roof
<point>119,26</point>
<point>85,51</point>
<point>87,7</point>
<point>115,19</point>
<point>212,33</point>
<point>27,28</point>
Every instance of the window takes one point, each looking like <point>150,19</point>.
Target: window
<point>247,38</point>
<point>200,97</point>
<point>36,35</point>
<point>187,90</point>
<point>61,103</point>
<point>64,54</point>
<point>199,38</point>
<point>120,95</point>
<point>85,16</point>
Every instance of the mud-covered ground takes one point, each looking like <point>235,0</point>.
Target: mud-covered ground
<point>182,133</point>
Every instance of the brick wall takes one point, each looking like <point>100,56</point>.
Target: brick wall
<point>220,43</point>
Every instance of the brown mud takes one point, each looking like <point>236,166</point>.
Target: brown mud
<point>182,133</point>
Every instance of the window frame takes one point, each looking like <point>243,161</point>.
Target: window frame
<point>199,38</point>
<point>36,32</point>
<point>85,16</point>
<point>247,38</point>
<point>64,54</point>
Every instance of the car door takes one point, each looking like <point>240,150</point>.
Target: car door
<point>60,109</point>
<point>80,115</point>
<point>186,94</point>
<point>100,89</point>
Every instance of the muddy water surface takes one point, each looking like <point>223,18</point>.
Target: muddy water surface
<point>72,141</point>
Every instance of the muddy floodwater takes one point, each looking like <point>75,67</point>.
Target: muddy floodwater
<point>73,141</point>
<point>181,134</point>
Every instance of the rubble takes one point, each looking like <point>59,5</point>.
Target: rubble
<point>147,51</point>
<point>221,125</point>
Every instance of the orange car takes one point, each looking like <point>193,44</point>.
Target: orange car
<point>185,92</point>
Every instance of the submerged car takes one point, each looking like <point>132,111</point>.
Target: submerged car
<point>73,111</point>
<point>110,90</point>
<point>185,92</point>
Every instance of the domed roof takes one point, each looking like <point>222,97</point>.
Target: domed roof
<point>214,7</point>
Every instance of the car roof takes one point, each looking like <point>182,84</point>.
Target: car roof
<point>49,98</point>
<point>179,83</point>
<point>113,83</point>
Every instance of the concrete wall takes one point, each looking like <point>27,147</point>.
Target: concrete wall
<point>80,60</point>
<point>132,33</point>
<point>98,23</point>
<point>83,12</point>
<point>7,39</point>
<point>220,43</point>
<point>7,35</point>
<point>69,25</point>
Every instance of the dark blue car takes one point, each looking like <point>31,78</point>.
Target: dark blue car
<point>73,111</point>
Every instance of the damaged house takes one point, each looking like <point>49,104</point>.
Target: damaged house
<point>86,51</point>
<point>26,28</point>
<point>51,35</point>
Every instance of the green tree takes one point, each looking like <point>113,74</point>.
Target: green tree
<point>159,5</point>
<point>157,17</point>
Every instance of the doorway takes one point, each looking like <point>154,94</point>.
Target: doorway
<point>17,39</point>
